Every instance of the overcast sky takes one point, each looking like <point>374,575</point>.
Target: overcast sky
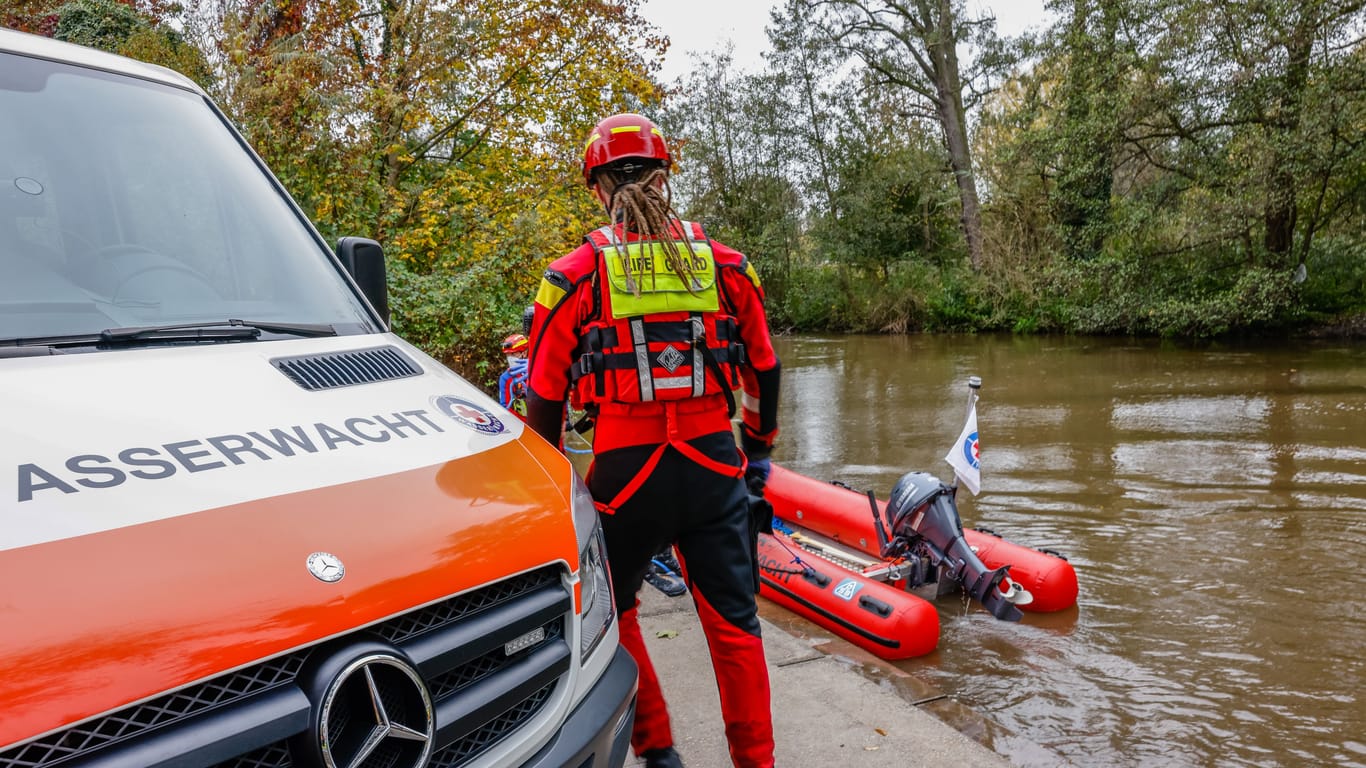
<point>704,25</point>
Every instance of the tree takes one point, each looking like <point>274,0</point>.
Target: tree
<point>411,87</point>
<point>801,63</point>
<point>147,30</point>
<point>33,16</point>
<point>1088,130</point>
<point>889,187</point>
<point>1255,104</point>
<point>913,44</point>
<point>451,132</point>
<point>736,160</point>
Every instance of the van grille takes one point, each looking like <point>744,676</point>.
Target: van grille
<point>344,369</point>
<point>475,744</point>
<point>221,709</point>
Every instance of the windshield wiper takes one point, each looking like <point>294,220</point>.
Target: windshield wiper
<point>236,329</point>
<point>13,350</point>
<point>222,330</point>
<point>125,336</point>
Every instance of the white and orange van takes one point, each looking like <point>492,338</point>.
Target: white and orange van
<point>241,523</point>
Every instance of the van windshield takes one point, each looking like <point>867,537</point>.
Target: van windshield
<point>128,203</point>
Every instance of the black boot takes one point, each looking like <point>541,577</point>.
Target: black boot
<point>665,582</point>
<point>666,558</point>
<point>662,758</point>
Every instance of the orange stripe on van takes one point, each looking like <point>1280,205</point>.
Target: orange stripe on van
<point>148,608</point>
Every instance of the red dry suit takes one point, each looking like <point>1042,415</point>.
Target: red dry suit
<point>619,334</point>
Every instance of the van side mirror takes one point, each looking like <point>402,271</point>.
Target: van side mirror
<point>364,260</point>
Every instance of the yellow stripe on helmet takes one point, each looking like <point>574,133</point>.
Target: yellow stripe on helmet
<point>627,129</point>
<point>592,139</point>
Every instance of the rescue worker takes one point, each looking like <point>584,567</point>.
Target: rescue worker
<point>651,326</point>
<point>512,382</point>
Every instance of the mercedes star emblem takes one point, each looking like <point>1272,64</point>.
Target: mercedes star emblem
<point>377,704</point>
<point>326,566</point>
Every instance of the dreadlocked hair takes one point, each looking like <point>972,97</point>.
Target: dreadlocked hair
<point>640,199</point>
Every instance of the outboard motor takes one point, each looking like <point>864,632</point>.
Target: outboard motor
<point>923,521</point>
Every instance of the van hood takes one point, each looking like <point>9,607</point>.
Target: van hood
<point>161,507</point>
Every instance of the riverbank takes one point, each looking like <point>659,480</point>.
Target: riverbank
<point>1350,326</point>
<point>828,709</point>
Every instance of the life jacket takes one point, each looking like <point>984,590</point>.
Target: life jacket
<point>650,338</point>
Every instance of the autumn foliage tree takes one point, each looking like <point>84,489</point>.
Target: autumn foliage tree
<point>449,132</point>
<point>141,29</point>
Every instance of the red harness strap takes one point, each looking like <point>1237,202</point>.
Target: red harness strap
<point>677,438</point>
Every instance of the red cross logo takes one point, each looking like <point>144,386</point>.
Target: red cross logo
<point>469,414</point>
<point>476,416</point>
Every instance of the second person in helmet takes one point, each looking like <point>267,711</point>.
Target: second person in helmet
<point>651,326</point>
<point>512,382</point>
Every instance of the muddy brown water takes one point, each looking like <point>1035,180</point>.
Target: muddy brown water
<point>1212,501</point>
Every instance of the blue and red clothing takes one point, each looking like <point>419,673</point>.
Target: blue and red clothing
<point>666,469</point>
<point>512,386</point>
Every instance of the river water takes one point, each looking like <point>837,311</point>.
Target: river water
<point>1211,500</point>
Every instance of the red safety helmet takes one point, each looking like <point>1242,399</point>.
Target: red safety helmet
<point>621,136</point>
<point>515,344</point>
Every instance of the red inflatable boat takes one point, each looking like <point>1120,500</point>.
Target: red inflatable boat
<point>825,562</point>
<point>845,517</point>
<point>880,618</point>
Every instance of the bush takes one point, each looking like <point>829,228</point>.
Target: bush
<point>900,304</point>
<point>1197,298</point>
<point>1336,278</point>
<point>958,303</point>
<point>833,297</point>
<point>460,319</point>
<point>815,299</point>
<point>102,24</point>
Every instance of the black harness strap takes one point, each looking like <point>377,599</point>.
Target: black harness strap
<point>715,368</point>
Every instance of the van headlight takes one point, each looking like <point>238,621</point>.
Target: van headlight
<point>595,585</point>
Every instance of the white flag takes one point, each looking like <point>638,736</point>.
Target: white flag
<point>963,456</point>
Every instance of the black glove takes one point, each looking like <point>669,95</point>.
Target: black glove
<point>760,521</point>
<point>756,475</point>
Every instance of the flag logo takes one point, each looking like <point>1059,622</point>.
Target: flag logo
<point>965,455</point>
<point>972,451</point>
